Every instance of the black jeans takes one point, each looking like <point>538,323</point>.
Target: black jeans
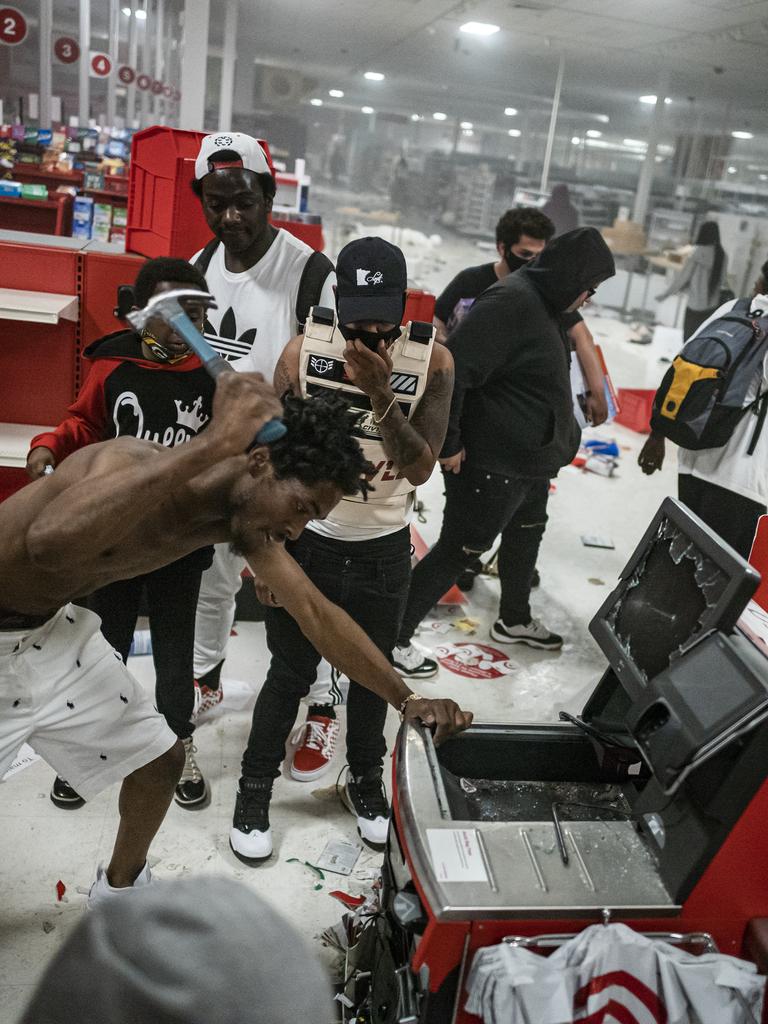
<point>172,601</point>
<point>369,580</point>
<point>478,506</point>
<point>730,515</point>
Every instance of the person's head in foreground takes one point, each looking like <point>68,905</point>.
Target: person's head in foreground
<point>159,341</point>
<point>201,950</point>
<point>568,271</point>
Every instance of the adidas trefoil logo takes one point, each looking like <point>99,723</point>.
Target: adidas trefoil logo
<point>191,416</point>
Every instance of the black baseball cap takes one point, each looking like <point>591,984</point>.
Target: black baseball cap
<point>371,279</point>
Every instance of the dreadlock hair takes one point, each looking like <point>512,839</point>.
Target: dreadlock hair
<point>318,444</point>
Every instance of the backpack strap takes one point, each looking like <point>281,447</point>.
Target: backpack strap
<point>313,277</point>
<point>761,408</point>
<point>742,307</point>
<point>203,260</point>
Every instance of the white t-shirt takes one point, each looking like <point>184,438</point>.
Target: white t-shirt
<point>731,466</point>
<point>256,314</point>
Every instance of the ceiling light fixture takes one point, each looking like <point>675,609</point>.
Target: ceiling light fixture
<point>366,110</point>
<point>126,11</point>
<point>316,102</point>
<point>515,133</point>
<point>763,177</point>
<point>415,117</point>
<point>479,28</point>
<point>593,133</point>
<point>466,124</point>
<point>651,99</point>
<point>602,118</point>
<point>141,15</point>
<point>742,135</point>
<point>635,143</point>
<point>576,141</point>
<point>510,111</point>
<point>336,93</point>
<point>374,76</point>
<point>467,132</point>
<point>731,170</point>
<point>438,116</point>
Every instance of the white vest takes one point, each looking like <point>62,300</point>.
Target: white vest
<point>321,368</point>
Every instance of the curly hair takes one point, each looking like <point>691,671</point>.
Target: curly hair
<point>319,444</point>
<point>524,220</point>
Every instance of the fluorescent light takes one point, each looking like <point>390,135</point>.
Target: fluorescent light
<point>651,99</point>
<point>635,143</point>
<point>316,102</point>
<point>515,133</point>
<point>742,135</point>
<point>415,117</point>
<point>366,110</point>
<point>479,28</point>
<point>466,124</point>
<point>336,93</point>
<point>510,111</point>
<point>593,133</point>
<point>602,118</point>
<point>763,177</point>
<point>126,11</point>
<point>374,76</point>
<point>141,15</point>
<point>731,170</point>
<point>575,140</point>
<point>440,117</point>
<point>467,131</point>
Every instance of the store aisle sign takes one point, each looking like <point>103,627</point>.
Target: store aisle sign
<point>66,50</point>
<point>100,65</point>
<point>13,26</point>
<point>126,75</point>
<point>157,88</point>
<point>167,91</point>
<point>143,82</point>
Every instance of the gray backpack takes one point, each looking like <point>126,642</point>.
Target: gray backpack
<point>703,395</point>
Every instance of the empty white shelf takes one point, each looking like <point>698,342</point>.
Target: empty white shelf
<point>37,307</point>
<point>14,442</point>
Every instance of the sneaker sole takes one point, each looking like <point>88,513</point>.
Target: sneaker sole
<point>195,805</point>
<point>67,805</point>
<point>251,861</point>
<point>378,847</point>
<point>525,640</point>
<point>309,776</point>
<point>414,675</point>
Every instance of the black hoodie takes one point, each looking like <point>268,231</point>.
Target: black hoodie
<point>512,408</point>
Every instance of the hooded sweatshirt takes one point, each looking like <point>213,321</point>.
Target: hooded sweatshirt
<point>126,394</point>
<point>200,950</point>
<point>512,409</point>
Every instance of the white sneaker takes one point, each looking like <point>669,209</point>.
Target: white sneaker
<point>251,835</point>
<point>410,663</point>
<point>534,634</point>
<point>366,798</point>
<point>101,890</point>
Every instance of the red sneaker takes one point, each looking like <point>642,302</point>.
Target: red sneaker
<point>316,741</point>
<point>206,699</point>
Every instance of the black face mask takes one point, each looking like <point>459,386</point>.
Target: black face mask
<point>514,262</point>
<point>370,339</point>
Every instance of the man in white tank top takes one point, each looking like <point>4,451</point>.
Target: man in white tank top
<point>359,556</point>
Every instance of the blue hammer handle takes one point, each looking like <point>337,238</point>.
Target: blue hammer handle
<point>274,429</point>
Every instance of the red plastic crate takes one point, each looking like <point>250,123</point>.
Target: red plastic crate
<point>419,305</point>
<point>635,406</point>
<point>164,215</point>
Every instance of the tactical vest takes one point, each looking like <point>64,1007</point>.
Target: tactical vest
<point>322,368</point>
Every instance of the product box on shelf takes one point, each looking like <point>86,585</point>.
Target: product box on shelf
<point>10,188</point>
<point>34,191</point>
<point>82,216</point>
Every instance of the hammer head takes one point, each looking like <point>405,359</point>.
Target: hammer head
<point>167,305</point>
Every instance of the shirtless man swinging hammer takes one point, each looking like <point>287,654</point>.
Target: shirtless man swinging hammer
<point>125,507</point>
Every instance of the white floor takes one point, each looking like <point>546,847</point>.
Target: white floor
<point>40,845</point>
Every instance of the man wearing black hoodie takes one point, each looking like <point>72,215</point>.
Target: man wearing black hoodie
<point>511,428</point>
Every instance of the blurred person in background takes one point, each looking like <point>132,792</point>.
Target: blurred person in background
<point>701,277</point>
<point>561,210</point>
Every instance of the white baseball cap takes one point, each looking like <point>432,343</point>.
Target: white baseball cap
<point>250,154</point>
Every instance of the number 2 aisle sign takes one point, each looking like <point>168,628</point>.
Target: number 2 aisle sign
<point>13,26</point>
<point>100,66</point>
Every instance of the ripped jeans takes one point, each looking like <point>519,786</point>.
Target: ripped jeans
<point>478,507</point>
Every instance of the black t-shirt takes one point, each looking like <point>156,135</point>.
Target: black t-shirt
<point>454,301</point>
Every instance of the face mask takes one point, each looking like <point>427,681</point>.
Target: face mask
<point>160,353</point>
<point>370,339</point>
<point>514,262</point>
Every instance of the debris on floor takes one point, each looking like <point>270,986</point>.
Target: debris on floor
<point>594,540</point>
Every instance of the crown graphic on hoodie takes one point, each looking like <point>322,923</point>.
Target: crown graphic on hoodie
<point>191,416</point>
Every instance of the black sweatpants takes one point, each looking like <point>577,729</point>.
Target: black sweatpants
<point>172,601</point>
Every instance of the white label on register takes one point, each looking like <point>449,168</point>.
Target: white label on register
<point>456,855</point>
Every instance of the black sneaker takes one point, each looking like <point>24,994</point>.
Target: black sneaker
<point>64,796</point>
<point>191,790</point>
<point>365,797</point>
<point>410,663</point>
<point>534,634</point>
<point>250,837</point>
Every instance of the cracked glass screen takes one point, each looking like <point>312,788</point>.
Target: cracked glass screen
<point>661,609</point>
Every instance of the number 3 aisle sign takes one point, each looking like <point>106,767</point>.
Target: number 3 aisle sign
<point>66,50</point>
<point>13,26</point>
<point>100,66</point>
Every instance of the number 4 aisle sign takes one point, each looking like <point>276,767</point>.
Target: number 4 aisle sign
<point>100,65</point>
<point>13,26</point>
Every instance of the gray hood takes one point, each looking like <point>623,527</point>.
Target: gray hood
<point>197,951</point>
